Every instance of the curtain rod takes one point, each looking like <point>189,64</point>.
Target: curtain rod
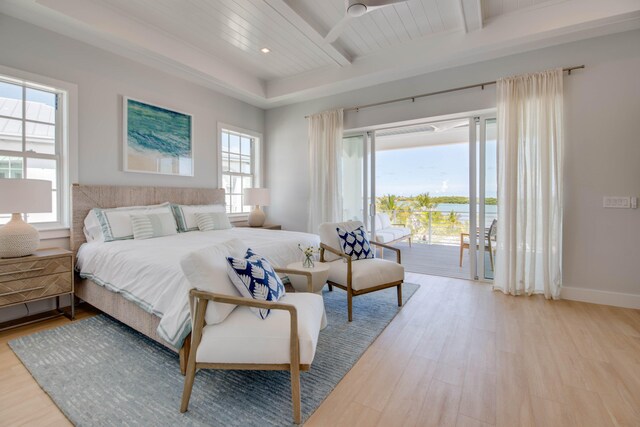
<point>413,98</point>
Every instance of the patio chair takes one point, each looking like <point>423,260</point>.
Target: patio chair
<point>489,238</point>
<point>388,233</point>
<point>358,277</point>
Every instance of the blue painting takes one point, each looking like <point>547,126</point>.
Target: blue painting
<point>156,139</point>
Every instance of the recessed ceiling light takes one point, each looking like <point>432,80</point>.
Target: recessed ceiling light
<point>265,50</point>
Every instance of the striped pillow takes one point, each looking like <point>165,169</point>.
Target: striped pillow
<point>153,225</point>
<point>185,215</point>
<point>212,221</point>
<point>115,223</point>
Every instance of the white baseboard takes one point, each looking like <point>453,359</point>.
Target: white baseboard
<point>594,296</point>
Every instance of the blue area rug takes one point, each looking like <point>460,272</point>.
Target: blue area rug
<point>102,373</point>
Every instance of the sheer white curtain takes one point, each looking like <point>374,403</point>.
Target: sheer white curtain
<point>530,140</point>
<point>325,152</point>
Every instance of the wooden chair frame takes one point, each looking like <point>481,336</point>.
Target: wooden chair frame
<point>353,292</point>
<point>202,298</point>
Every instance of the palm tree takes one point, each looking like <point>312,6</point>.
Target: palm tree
<point>425,202</point>
<point>453,219</point>
<point>389,203</point>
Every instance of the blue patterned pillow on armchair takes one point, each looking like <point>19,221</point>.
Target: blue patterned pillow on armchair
<point>355,243</point>
<point>255,278</point>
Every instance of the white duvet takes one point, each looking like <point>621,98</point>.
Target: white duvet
<point>148,272</point>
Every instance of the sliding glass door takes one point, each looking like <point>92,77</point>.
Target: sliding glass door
<point>357,164</point>
<point>438,181</point>
<point>487,196</point>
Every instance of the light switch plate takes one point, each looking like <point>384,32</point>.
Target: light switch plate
<point>620,202</point>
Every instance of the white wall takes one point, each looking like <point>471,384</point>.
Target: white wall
<point>601,246</point>
<point>102,78</point>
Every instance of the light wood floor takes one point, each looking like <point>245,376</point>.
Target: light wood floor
<point>458,354</point>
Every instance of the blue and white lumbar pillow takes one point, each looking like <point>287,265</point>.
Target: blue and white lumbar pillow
<point>255,278</point>
<point>355,243</point>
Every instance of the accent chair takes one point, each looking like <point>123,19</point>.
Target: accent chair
<point>358,277</point>
<point>285,340</point>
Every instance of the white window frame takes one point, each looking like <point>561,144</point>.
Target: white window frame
<point>66,149</point>
<point>257,162</point>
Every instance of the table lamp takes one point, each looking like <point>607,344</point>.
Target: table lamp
<point>258,197</point>
<point>19,196</point>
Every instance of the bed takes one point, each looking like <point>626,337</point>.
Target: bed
<point>139,282</point>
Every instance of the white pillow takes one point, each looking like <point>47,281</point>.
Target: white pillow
<point>385,222</point>
<point>149,226</point>
<point>206,270</point>
<point>186,218</point>
<point>92,229</point>
<point>115,224</point>
<point>212,221</point>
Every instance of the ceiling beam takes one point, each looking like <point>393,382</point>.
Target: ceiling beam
<point>471,13</point>
<point>308,26</point>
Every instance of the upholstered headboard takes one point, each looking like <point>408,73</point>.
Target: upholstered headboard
<point>86,197</point>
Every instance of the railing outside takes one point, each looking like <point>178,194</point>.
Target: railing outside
<point>437,226</point>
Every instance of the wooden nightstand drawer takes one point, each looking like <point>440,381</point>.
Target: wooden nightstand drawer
<point>34,268</point>
<point>17,291</point>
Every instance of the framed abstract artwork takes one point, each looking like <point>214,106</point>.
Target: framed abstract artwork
<point>156,139</point>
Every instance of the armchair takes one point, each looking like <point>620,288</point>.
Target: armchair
<point>358,277</point>
<point>286,340</point>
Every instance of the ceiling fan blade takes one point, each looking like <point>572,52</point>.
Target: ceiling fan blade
<point>380,3</point>
<point>337,29</point>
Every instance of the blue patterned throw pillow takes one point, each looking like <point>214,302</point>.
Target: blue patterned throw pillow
<point>355,243</point>
<point>255,278</point>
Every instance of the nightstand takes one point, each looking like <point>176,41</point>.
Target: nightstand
<point>48,273</point>
<point>266,226</point>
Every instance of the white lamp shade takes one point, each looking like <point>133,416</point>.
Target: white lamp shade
<point>25,196</point>
<point>257,196</point>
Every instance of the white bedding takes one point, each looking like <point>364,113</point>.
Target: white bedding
<point>148,272</point>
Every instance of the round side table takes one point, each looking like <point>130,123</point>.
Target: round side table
<point>319,275</point>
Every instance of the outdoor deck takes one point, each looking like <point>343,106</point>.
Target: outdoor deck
<point>437,260</point>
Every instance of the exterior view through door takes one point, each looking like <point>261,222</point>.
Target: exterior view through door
<point>422,188</point>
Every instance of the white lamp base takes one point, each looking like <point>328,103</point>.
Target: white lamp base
<point>17,238</point>
<point>256,217</point>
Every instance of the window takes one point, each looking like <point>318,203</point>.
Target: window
<point>239,166</point>
<point>31,140</point>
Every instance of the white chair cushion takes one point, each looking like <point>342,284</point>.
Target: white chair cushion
<point>384,236</point>
<point>245,338</point>
<point>385,222</point>
<point>399,232</point>
<point>378,222</point>
<point>366,273</point>
<point>329,235</point>
<point>392,233</point>
<point>206,270</point>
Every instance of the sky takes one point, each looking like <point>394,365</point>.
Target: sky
<point>441,170</point>
<point>8,90</point>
